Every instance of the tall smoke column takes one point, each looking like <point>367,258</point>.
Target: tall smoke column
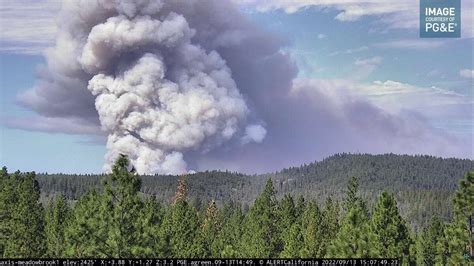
<point>157,94</point>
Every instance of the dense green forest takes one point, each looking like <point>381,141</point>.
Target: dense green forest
<point>117,221</point>
<point>422,185</point>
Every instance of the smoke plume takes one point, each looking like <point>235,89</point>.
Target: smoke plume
<point>157,93</point>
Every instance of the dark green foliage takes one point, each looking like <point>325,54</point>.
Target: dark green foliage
<point>120,219</point>
<point>389,228</point>
<point>421,184</point>
<point>260,238</point>
<point>287,216</point>
<point>300,204</point>
<point>25,227</point>
<point>286,212</point>
<point>180,232</point>
<point>56,216</point>
<point>352,197</point>
<point>86,234</point>
<point>151,219</point>
<point>329,224</point>
<point>458,238</point>
<point>311,229</point>
<point>292,241</point>
<point>211,228</point>
<point>355,239</point>
<point>109,224</point>
<point>289,228</point>
<point>124,211</point>
<point>229,238</point>
<point>427,242</point>
<point>7,200</point>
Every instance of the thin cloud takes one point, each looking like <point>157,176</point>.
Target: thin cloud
<point>411,44</point>
<point>350,51</point>
<point>73,126</point>
<point>365,67</point>
<point>27,27</point>
<point>402,14</point>
<point>439,106</point>
<point>368,61</point>
<point>322,36</point>
<point>467,73</point>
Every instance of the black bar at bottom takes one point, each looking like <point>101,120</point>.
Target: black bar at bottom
<point>198,262</point>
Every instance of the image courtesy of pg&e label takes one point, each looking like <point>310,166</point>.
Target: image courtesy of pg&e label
<point>440,18</point>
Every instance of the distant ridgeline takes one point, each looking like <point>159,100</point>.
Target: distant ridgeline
<point>423,185</point>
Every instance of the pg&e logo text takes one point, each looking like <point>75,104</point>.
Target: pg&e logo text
<point>440,18</point>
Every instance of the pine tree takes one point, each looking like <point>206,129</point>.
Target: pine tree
<point>390,228</point>
<point>181,191</point>
<point>351,194</point>
<point>179,233</point>
<point>441,253</point>
<point>293,241</point>
<point>355,239</point>
<point>227,241</point>
<point>412,257</point>
<point>286,216</point>
<point>122,193</point>
<point>228,210</point>
<point>108,224</point>
<point>86,232</point>
<point>427,242</point>
<point>151,219</point>
<point>56,215</point>
<point>329,224</point>
<point>300,205</point>
<point>289,228</point>
<point>312,232</point>
<point>260,236</point>
<point>198,204</point>
<point>211,228</point>
<point>7,200</point>
<point>458,235</point>
<point>26,236</point>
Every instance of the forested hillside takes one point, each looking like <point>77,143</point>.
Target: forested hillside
<point>117,222</point>
<point>423,185</point>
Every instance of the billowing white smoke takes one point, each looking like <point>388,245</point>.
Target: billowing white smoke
<point>158,95</point>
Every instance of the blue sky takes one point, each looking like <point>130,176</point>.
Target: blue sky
<point>373,53</point>
<point>33,150</point>
<point>341,43</point>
